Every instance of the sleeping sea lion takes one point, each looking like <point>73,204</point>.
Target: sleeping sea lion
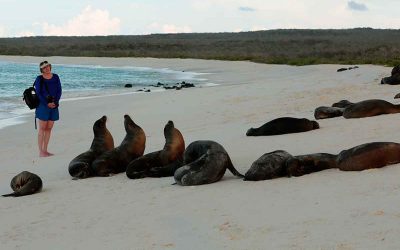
<point>204,162</point>
<point>369,108</point>
<point>268,166</point>
<point>25,183</point>
<point>369,155</point>
<point>327,112</point>
<point>160,163</point>
<point>116,160</point>
<point>283,125</point>
<point>80,166</point>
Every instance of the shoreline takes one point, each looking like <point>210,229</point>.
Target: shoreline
<point>358,208</point>
<point>18,114</point>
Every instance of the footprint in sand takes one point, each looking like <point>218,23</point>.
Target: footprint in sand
<point>233,232</point>
<point>379,213</point>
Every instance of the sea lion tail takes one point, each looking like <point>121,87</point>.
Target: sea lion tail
<point>8,195</point>
<point>234,171</point>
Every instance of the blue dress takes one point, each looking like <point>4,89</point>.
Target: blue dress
<point>43,112</point>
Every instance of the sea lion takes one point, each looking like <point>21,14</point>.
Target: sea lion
<point>369,155</point>
<point>116,160</point>
<point>268,166</point>
<point>204,162</point>
<point>342,104</point>
<point>327,112</point>
<point>369,108</point>
<point>80,167</point>
<point>160,163</point>
<point>305,164</point>
<point>283,125</point>
<point>394,79</point>
<point>25,183</point>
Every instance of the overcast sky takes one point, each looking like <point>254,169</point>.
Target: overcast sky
<point>123,17</point>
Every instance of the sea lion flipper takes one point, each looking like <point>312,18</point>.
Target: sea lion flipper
<point>8,195</point>
<point>165,171</point>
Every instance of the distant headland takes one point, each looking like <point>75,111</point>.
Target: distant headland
<point>283,46</point>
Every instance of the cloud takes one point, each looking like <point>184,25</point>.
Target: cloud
<point>90,22</point>
<point>245,8</point>
<point>2,31</point>
<point>25,34</point>
<point>168,28</point>
<point>352,5</point>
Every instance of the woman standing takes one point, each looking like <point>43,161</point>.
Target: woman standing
<point>48,88</point>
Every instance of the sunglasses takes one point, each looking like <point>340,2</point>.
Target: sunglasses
<point>44,64</point>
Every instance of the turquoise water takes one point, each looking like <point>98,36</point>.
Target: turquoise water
<point>79,81</point>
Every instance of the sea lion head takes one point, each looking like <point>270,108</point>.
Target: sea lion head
<point>136,135</point>
<point>80,170</point>
<point>315,125</point>
<point>396,70</point>
<point>168,129</point>
<point>100,125</point>
<point>394,79</point>
<point>391,80</point>
<point>266,167</point>
<point>251,131</point>
<point>100,131</point>
<point>256,172</point>
<point>130,126</point>
<point>174,142</point>
<point>20,180</point>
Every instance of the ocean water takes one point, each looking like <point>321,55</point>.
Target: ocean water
<point>79,81</point>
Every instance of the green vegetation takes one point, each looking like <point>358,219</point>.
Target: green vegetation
<point>294,47</point>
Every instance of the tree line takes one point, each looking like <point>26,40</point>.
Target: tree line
<point>285,46</point>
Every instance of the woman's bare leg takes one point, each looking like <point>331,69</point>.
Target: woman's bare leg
<point>41,135</point>
<point>49,127</point>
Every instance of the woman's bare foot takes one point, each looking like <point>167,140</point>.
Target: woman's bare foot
<point>49,154</point>
<point>43,154</point>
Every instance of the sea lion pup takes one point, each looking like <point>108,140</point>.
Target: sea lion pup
<point>394,79</point>
<point>268,166</point>
<point>327,112</point>
<point>369,155</point>
<point>369,108</point>
<point>342,104</point>
<point>116,160</point>
<point>160,163</point>
<point>283,125</point>
<point>305,164</point>
<point>80,167</point>
<point>204,162</point>
<point>25,183</point>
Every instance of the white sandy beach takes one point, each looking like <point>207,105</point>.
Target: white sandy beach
<point>326,210</point>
